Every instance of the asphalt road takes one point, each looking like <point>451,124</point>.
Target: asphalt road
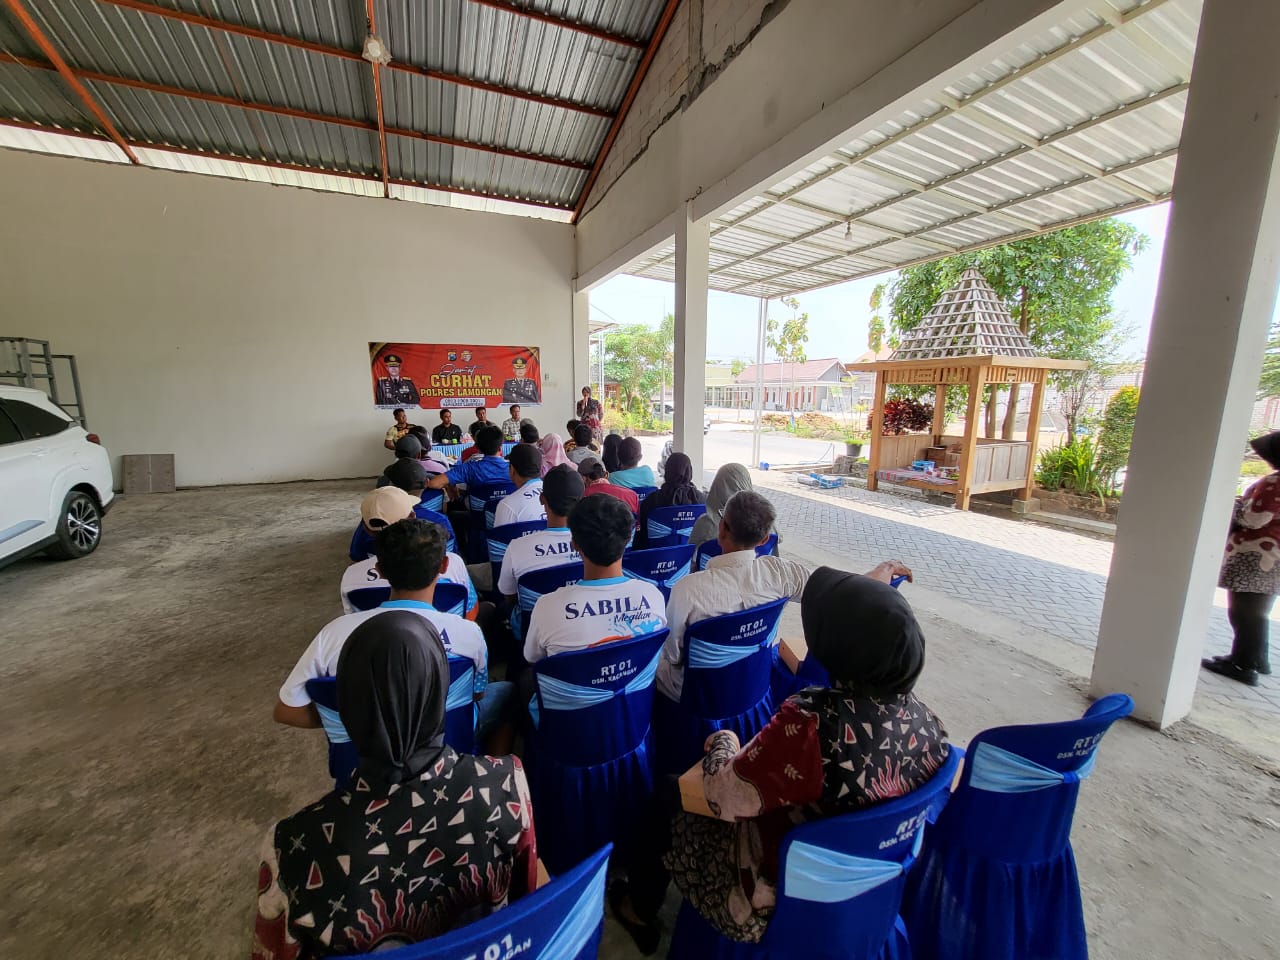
<point>731,443</point>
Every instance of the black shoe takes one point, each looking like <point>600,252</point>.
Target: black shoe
<point>1224,667</point>
<point>1264,669</point>
<point>645,935</point>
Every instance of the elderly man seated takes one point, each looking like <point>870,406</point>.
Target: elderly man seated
<point>734,581</point>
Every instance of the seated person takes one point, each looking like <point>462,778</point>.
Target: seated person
<point>609,452</point>
<point>411,557</point>
<point>569,427</point>
<point>826,751</point>
<point>354,872</point>
<point>485,470</point>
<point>382,507</point>
<point>446,431</point>
<point>582,445</point>
<point>471,451</point>
<point>631,474</point>
<point>398,429</point>
<point>596,478</point>
<point>561,491</point>
<point>732,478</point>
<point>528,433</point>
<point>677,490</point>
<point>524,465</point>
<point>511,425</point>
<point>553,454</point>
<point>604,605</point>
<point>407,448</point>
<point>433,461</point>
<point>481,420</point>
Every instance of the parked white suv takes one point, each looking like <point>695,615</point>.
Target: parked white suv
<point>55,480</point>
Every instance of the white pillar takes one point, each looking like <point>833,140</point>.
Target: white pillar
<point>581,319</point>
<point>1215,301</point>
<point>693,246</point>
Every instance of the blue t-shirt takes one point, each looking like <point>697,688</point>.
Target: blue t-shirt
<point>641,476</point>
<point>480,472</point>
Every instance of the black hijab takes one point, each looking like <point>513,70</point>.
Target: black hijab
<point>863,632</point>
<point>678,488</point>
<point>609,453</point>
<point>1267,447</point>
<point>393,678</point>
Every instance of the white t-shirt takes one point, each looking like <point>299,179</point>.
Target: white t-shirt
<point>521,506</point>
<point>361,574</point>
<point>461,638</point>
<point>592,612</point>
<point>543,548</point>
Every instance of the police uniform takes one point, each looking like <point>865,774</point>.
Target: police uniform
<point>395,392</point>
<point>520,389</point>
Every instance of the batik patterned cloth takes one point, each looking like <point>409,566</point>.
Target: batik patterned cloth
<point>822,754</point>
<point>1251,563</point>
<point>375,868</point>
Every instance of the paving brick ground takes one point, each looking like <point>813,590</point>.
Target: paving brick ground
<point>1049,579</point>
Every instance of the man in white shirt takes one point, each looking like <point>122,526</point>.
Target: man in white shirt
<point>524,464</point>
<point>561,490</point>
<point>735,581</point>
<point>411,556</point>
<point>604,605</point>
<point>364,573</point>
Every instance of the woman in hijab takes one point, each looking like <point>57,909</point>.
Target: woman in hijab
<point>552,447</point>
<point>397,850</point>
<point>609,452</point>
<point>827,751</point>
<point>1251,571</point>
<point>677,490</point>
<point>730,479</point>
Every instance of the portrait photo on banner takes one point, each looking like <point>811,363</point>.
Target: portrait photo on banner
<point>436,375</point>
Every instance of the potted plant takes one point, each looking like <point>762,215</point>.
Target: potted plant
<point>853,441</point>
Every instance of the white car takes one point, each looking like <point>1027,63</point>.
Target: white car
<point>55,478</point>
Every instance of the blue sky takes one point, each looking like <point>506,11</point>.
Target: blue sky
<point>838,315</point>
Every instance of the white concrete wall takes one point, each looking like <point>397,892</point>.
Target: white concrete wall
<point>228,323</point>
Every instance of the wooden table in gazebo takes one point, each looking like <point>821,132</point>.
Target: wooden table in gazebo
<point>967,339</point>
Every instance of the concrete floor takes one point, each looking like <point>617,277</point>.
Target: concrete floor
<point>143,769</point>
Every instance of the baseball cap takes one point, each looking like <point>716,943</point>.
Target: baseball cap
<point>407,474</point>
<point>592,466</point>
<point>385,506</point>
<point>562,488</point>
<point>408,446</point>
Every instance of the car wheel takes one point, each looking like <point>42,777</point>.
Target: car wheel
<point>79,527</point>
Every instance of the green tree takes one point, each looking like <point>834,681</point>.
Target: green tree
<point>1269,384</point>
<point>1116,435</point>
<point>736,366</point>
<point>875,327</point>
<point>638,357</point>
<point>786,338</point>
<point>1057,287</point>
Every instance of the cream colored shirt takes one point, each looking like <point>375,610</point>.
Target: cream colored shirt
<point>731,582</point>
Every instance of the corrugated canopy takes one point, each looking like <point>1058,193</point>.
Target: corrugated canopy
<point>485,103</point>
<point>1079,122</point>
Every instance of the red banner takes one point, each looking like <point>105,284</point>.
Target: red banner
<point>434,376</point>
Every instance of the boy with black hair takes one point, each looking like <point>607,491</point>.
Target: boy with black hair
<point>524,465</point>
<point>605,605</point>
<point>446,431</point>
<point>483,471</point>
<point>482,420</point>
<point>411,557</point>
<point>529,432</point>
<point>561,491</point>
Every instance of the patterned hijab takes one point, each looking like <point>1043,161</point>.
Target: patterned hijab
<point>552,447</point>
<point>863,632</point>
<point>393,676</point>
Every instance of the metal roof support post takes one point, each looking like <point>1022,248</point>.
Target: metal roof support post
<point>757,394</point>
<point>1214,304</point>
<point>693,247</point>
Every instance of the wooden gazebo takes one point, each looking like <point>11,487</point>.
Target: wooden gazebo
<point>966,339</point>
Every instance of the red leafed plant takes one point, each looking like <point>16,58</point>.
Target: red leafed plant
<point>904,415</point>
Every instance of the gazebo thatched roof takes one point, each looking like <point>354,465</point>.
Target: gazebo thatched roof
<point>967,321</point>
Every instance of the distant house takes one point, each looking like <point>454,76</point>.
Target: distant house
<point>862,383</point>
<point>812,385</point>
<point>719,384</point>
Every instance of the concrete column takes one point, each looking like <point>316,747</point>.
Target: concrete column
<point>1214,304</point>
<point>582,374</point>
<point>693,246</point>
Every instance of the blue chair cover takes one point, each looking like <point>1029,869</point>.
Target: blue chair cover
<point>997,878</point>
<point>450,598</point>
<point>423,512</point>
<point>460,706</point>
<point>362,540</point>
<point>478,496</point>
<point>491,509</point>
<point>563,920</point>
<point>727,684</point>
<point>537,583</point>
<point>711,548</point>
<point>433,500</point>
<point>824,866</point>
<point>366,598</point>
<point>589,758</point>
<point>669,526</point>
<point>661,566</point>
<point>642,492</point>
<point>499,538</point>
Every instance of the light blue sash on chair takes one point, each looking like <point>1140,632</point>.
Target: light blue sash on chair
<point>559,694</point>
<point>528,597</point>
<point>998,771</point>
<point>658,530</point>
<point>668,582</point>
<point>334,731</point>
<point>705,655</point>
<point>461,691</point>
<point>581,923</point>
<point>820,875</point>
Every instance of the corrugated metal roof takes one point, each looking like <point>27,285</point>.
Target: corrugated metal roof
<point>302,97</point>
<point>1079,122</point>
